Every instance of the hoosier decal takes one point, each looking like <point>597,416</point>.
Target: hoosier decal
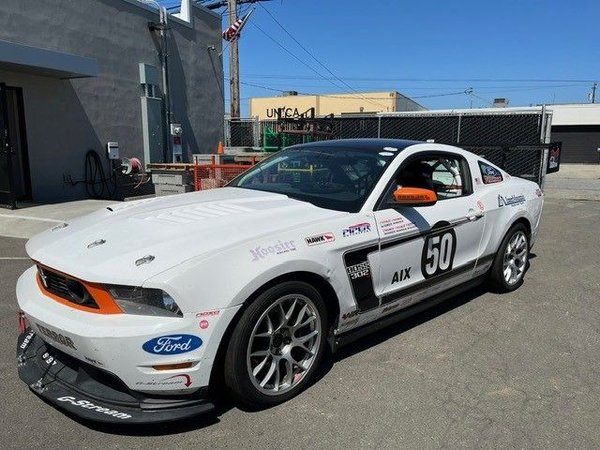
<point>278,248</point>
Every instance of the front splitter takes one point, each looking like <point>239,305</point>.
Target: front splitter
<point>94,394</point>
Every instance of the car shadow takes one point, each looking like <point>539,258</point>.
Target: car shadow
<point>404,325</point>
<point>224,404</point>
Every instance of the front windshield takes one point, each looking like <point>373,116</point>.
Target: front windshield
<point>329,177</point>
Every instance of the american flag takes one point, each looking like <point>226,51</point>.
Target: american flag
<point>232,33</point>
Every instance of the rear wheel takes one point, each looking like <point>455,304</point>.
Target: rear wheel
<point>277,345</point>
<point>511,261</point>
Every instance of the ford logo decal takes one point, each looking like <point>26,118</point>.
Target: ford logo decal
<point>172,345</point>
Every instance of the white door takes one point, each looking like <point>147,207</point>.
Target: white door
<point>428,249</point>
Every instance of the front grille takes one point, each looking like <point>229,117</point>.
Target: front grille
<point>66,288</point>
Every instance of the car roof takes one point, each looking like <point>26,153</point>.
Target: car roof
<point>375,145</point>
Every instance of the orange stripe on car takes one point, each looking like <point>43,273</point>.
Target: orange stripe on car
<point>105,301</point>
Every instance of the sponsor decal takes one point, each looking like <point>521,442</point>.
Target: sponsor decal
<point>276,249</point>
<point>359,228</point>
<point>93,361</point>
<point>539,192</point>
<point>89,405</point>
<point>359,270</point>
<point>56,337</point>
<point>487,170</point>
<point>491,179</point>
<point>27,340</point>
<point>402,275</point>
<point>490,174</point>
<point>172,345</point>
<point>48,359</point>
<point>510,201</point>
<point>211,313</point>
<point>395,225</point>
<point>204,324</point>
<point>175,380</point>
<point>438,253</point>
<point>350,314</point>
<point>324,238</point>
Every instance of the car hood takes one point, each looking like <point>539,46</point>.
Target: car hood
<point>104,246</point>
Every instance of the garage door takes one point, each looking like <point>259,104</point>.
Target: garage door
<point>580,143</point>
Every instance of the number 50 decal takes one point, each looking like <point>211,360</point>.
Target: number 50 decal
<point>438,253</point>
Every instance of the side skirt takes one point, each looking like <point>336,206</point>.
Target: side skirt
<point>336,342</point>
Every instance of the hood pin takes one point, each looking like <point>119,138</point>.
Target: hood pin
<point>145,260</point>
<point>96,243</point>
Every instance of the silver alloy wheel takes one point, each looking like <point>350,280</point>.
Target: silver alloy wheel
<point>515,258</point>
<point>284,344</point>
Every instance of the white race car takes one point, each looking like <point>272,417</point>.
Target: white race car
<point>136,312</point>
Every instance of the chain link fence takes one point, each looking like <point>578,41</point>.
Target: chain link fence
<point>515,140</point>
<point>522,161</point>
<point>242,132</point>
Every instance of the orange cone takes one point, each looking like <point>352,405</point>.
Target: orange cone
<point>220,148</point>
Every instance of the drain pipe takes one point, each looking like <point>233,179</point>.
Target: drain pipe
<point>162,28</point>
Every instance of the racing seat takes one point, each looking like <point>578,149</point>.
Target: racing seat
<point>417,174</point>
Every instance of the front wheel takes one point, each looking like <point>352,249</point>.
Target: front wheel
<point>511,261</point>
<point>277,344</point>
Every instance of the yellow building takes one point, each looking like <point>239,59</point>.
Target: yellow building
<point>292,105</point>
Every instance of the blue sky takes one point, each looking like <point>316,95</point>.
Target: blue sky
<point>530,51</point>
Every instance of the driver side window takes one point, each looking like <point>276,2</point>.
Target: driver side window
<point>445,174</point>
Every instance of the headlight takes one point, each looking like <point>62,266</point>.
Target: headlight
<point>145,302</point>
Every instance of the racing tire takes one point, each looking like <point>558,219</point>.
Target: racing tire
<point>277,345</point>
<point>511,261</point>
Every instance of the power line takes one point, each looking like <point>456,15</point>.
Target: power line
<point>347,97</point>
<point>298,59</point>
<point>309,53</point>
<point>445,80</point>
<point>505,88</point>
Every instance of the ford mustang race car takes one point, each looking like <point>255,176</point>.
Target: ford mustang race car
<point>147,311</point>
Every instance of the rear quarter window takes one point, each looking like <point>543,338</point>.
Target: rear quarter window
<point>489,174</point>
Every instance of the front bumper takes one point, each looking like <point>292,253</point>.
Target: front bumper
<point>94,394</point>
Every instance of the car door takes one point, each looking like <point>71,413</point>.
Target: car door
<point>427,249</point>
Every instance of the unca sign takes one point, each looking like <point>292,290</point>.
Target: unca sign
<point>172,345</point>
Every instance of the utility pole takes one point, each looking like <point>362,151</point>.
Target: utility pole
<point>234,73</point>
<point>594,93</point>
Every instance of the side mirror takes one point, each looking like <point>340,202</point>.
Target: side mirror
<point>410,196</point>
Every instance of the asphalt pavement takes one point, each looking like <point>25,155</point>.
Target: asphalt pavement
<point>519,370</point>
